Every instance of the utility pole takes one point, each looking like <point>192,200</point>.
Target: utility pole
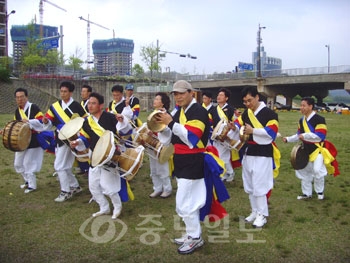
<point>258,62</point>
<point>329,57</point>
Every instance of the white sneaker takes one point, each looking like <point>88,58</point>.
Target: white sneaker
<point>63,197</point>
<point>28,190</point>
<point>181,240</point>
<point>303,196</point>
<point>155,194</point>
<point>25,185</point>
<point>320,196</point>
<point>190,245</point>
<point>100,213</point>
<point>165,194</point>
<point>251,217</point>
<point>116,213</point>
<point>230,177</point>
<point>75,190</point>
<point>260,220</point>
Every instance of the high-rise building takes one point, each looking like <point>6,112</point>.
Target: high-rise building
<point>3,28</point>
<point>113,56</point>
<point>268,64</point>
<point>20,35</point>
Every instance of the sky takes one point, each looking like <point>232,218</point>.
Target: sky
<point>220,33</point>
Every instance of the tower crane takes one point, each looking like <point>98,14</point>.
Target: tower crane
<point>41,12</point>
<point>88,36</point>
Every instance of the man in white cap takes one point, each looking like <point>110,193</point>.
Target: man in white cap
<point>188,131</point>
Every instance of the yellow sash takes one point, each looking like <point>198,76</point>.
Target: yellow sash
<point>61,112</point>
<point>276,151</point>
<point>113,107</point>
<point>221,113</point>
<point>327,156</point>
<point>95,127</point>
<point>22,113</point>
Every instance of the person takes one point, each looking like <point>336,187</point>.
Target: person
<point>160,172</point>
<point>84,94</point>
<point>188,131</point>
<point>236,114</point>
<point>312,131</point>
<point>24,163</point>
<point>58,114</point>
<point>261,125</point>
<point>208,105</point>
<point>134,104</point>
<point>102,180</point>
<point>120,105</point>
<point>224,111</point>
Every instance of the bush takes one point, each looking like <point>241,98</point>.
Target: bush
<point>4,75</point>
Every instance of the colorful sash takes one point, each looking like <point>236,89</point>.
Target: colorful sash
<point>195,129</point>
<point>328,159</point>
<point>276,152</point>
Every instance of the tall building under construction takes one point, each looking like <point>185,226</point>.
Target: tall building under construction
<point>113,56</point>
<point>20,36</point>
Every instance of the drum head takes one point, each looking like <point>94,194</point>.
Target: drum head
<point>243,137</point>
<point>152,123</point>
<point>103,148</point>
<point>71,128</point>
<point>218,130</point>
<point>17,136</point>
<point>299,157</point>
<point>165,153</point>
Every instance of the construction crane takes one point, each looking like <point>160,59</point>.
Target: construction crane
<point>41,12</point>
<point>88,36</point>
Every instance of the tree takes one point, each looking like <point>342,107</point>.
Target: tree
<point>53,60</point>
<point>137,70</point>
<point>35,58</point>
<point>149,55</point>
<point>75,62</point>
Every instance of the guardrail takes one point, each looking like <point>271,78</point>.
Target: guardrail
<point>268,73</point>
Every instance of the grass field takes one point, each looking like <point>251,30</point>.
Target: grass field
<point>34,228</point>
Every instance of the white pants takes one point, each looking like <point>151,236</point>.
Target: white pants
<point>160,176</point>
<point>313,172</point>
<point>257,173</point>
<point>225,155</point>
<point>29,162</point>
<point>105,182</point>
<point>190,198</point>
<point>63,166</point>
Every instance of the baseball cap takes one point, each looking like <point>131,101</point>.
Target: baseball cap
<point>182,86</point>
<point>129,87</point>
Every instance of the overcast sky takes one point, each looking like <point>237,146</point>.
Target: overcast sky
<point>220,33</point>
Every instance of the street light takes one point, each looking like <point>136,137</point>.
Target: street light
<point>259,56</point>
<point>6,33</point>
<point>329,56</point>
<point>180,55</point>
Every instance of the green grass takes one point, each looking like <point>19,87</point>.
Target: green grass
<point>33,228</point>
